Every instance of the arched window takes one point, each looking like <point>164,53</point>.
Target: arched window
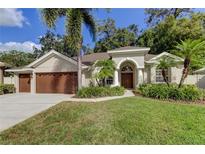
<point>126,69</point>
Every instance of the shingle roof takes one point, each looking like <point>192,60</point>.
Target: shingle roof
<point>91,58</point>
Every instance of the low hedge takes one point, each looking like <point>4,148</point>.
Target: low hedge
<point>6,88</point>
<point>162,91</point>
<point>94,92</point>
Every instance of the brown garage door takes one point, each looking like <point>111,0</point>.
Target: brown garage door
<point>24,83</point>
<point>56,82</point>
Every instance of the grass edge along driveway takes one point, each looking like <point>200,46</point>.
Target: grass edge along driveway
<point>134,120</point>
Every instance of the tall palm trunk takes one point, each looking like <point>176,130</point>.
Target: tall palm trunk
<point>185,71</point>
<point>79,71</point>
<point>164,77</point>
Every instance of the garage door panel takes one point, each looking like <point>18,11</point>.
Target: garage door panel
<point>24,82</point>
<point>56,82</point>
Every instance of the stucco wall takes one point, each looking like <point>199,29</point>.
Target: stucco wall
<point>175,76</point>
<point>198,80</point>
<point>86,78</point>
<point>138,58</point>
<point>56,64</point>
<point>9,80</point>
<point>152,74</point>
<point>1,75</point>
<point>173,72</point>
<point>145,79</point>
<point>176,73</point>
<point>16,82</point>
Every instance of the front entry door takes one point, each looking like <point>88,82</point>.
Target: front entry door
<point>127,80</point>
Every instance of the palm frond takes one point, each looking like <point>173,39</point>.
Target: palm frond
<point>89,22</point>
<point>189,48</point>
<point>74,26</point>
<point>50,15</point>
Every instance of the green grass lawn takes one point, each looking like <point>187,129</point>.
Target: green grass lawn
<point>134,120</point>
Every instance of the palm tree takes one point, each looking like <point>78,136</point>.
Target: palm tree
<point>106,70</point>
<point>75,18</point>
<point>164,64</point>
<point>188,49</point>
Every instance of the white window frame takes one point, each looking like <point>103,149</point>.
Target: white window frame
<point>111,80</point>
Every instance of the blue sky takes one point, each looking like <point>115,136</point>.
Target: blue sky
<point>32,26</point>
<point>25,25</point>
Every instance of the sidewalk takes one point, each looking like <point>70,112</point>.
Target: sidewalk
<point>128,93</point>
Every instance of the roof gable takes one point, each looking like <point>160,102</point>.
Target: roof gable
<point>164,54</point>
<point>49,55</point>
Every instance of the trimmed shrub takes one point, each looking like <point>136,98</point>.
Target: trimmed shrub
<point>94,92</point>
<point>162,91</point>
<point>1,90</point>
<point>6,88</point>
<point>203,94</point>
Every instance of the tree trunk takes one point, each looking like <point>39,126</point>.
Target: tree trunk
<point>185,71</point>
<point>104,82</point>
<point>98,82</point>
<point>184,75</point>
<point>79,71</point>
<point>164,77</point>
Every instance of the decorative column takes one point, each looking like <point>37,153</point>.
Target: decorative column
<point>116,80</point>
<point>16,80</point>
<point>140,76</point>
<point>33,83</point>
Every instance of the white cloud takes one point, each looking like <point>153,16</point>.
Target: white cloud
<point>25,46</point>
<point>12,18</point>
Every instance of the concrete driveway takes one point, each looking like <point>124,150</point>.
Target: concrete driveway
<point>15,108</point>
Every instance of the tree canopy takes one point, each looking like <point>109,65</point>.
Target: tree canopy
<point>57,42</point>
<point>165,35</point>
<point>16,58</point>
<point>155,15</point>
<point>111,37</point>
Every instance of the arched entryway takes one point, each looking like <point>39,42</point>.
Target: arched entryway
<point>127,71</point>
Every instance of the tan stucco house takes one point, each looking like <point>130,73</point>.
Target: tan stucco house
<point>57,73</point>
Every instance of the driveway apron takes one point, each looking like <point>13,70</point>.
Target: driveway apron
<point>15,108</point>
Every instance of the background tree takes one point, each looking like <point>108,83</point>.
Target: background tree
<point>50,41</point>
<point>106,70</point>
<point>110,37</point>
<point>188,49</point>
<point>59,43</point>
<point>155,15</point>
<point>16,58</point>
<point>165,35</point>
<point>74,20</point>
<point>164,64</point>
